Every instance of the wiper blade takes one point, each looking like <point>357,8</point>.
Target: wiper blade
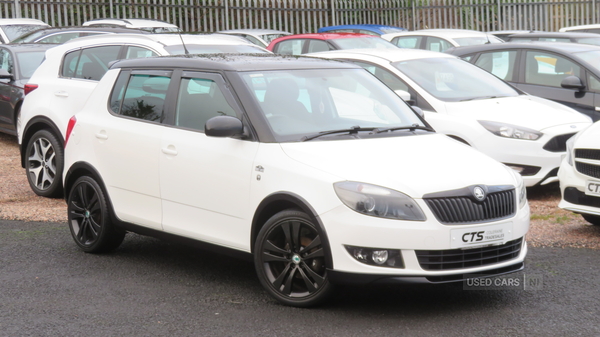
<point>350,131</point>
<point>483,97</point>
<point>410,128</point>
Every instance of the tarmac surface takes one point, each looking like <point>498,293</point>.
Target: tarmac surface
<point>149,287</point>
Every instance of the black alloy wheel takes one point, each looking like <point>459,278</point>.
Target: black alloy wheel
<point>290,260</point>
<point>44,164</point>
<point>89,219</point>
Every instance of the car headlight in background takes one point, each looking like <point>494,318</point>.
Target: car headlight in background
<point>378,201</point>
<point>569,157</point>
<point>510,131</point>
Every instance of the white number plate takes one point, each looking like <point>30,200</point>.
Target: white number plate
<point>592,188</point>
<point>481,236</point>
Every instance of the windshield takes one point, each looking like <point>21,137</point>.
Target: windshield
<point>453,80</point>
<point>14,31</point>
<point>270,37</point>
<point>214,49</point>
<point>362,43</point>
<point>29,61</point>
<point>389,30</point>
<point>302,103</point>
<point>30,37</point>
<point>471,41</point>
<point>592,57</point>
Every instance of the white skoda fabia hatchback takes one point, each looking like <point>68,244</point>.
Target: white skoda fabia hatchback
<point>313,168</point>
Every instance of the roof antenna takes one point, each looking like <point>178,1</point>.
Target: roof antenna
<point>183,43</point>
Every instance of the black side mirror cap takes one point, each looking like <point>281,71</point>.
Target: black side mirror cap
<point>572,82</point>
<point>224,126</point>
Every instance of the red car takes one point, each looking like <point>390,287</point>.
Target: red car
<point>312,43</point>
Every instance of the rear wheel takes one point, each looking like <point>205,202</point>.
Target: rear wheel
<point>89,219</point>
<point>44,164</point>
<point>593,219</point>
<point>290,260</point>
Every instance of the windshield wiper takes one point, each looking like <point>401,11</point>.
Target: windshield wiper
<point>353,130</point>
<point>483,97</point>
<point>410,128</point>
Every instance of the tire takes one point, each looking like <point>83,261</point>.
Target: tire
<point>89,219</point>
<point>593,219</point>
<point>289,257</point>
<point>44,161</point>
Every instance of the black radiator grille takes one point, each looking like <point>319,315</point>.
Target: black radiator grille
<point>463,209</point>
<point>468,258</point>
<point>587,154</point>
<point>588,169</point>
<point>558,143</point>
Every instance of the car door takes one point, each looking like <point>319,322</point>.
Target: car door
<point>130,147</point>
<point>542,73</point>
<point>205,181</point>
<point>8,90</point>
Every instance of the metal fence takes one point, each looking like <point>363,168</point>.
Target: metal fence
<point>303,16</point>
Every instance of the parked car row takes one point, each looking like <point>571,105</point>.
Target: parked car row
<point>360,163</point>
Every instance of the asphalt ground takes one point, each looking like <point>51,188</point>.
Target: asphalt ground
<point>149,287</point>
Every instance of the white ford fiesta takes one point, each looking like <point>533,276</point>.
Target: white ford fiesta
<point>467,103</point>
<point>313,168</point>
<point>579,175</point>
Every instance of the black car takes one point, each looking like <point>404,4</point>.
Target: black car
<point>568,73</point>
<point>63,34</point>
<point>17,64</point>
<point>587,38</point>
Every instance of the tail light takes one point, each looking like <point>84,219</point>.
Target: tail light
<point>29,88</point>
<point>70,127</point>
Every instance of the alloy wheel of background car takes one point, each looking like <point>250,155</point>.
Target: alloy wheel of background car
<point>89,219</point>
<point>593,219</point>
<point>44,164</point>
<point>290,260</point>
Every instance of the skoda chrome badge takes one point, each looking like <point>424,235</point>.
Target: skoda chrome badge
<point>479,193</point>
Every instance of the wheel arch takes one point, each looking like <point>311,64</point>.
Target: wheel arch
<point>34,125</point>
<point>280,201</point>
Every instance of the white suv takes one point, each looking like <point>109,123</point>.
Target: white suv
<point>63,82</point>
<point>314,167</point>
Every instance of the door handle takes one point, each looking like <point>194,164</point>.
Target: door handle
<point>102,135</point>
<point>61,94</point>
<point>169,150</point>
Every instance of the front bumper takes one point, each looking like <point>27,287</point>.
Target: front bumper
<point>347,228</point>
<point>572,189</point>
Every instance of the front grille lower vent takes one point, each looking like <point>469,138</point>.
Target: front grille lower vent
<point>468,258</point>
<point>558,143</point>
<point>587,154</point>
<point>588,169</point>
<point>463,209</point>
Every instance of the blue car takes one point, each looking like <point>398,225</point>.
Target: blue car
<point>362,29</point>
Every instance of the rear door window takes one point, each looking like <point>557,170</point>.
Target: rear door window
<point>89,63</point>
<point>141,94</point>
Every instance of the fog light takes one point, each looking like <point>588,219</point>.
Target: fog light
<point>380,256</point>
<point>391,258</point>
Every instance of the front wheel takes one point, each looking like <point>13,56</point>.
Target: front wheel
<point>593,219</point>
<point>290,260</point>
<point>89,218</point>
<point>44,164</point>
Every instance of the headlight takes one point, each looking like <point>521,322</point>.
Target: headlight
<point>522,190</point>
<point>569,157</point>
<point>511,131</point>
<point>378,201</point>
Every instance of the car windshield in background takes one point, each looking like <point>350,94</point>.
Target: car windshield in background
<point>592,57</point>
<point>590,40</point>
<point>14,31</point>
<point>29,62</point>
<point>472,41</point>
<point>270,37</point>
<point>213,49</point>
<point>302,103</point>
<point>29,37</point>
<point>161,30</point>
<point>454,80</point>
<point>362,42</point>
<point>391,30</point>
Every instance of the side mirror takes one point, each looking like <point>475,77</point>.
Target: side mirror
<point>223,126</point>
<point>5,74</point>
<point>572,82</point>
<point>419,111</point>
<point>405,95</point>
